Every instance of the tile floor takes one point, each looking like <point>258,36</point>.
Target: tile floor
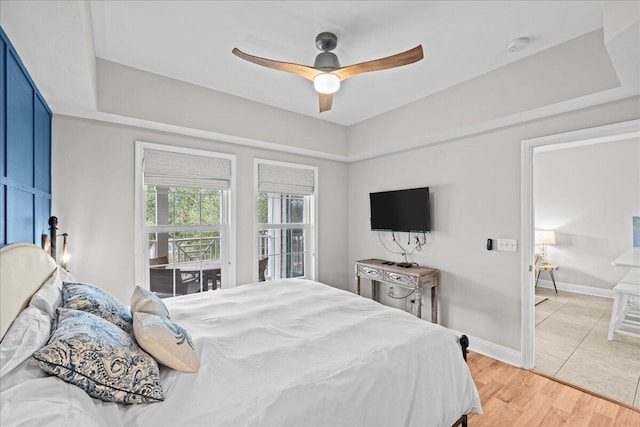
<point>571,344</point>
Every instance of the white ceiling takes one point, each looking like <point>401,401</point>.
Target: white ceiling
<point>192,41</point>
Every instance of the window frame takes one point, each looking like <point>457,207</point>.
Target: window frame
<point>228,226</point>
<point>311,270</point>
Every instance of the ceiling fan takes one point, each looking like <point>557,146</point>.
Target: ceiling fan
<point>326,73</point>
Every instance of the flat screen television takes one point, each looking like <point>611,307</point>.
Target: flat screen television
<point>401,210</point>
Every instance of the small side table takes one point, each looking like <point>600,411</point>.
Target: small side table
<point>550,268</point>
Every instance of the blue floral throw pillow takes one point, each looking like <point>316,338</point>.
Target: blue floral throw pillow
<point>79,296</point>
<point>100,358</point>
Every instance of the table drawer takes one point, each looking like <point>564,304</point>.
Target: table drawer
<point>399,278</point>
<point>371,273</point>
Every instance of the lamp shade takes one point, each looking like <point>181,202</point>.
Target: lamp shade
<point>545,237</point>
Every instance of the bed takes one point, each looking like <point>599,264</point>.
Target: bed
<point>280,353</point>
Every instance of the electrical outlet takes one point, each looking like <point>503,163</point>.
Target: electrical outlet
<point>510,245</point>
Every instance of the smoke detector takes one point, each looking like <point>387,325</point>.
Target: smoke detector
<point>518,44</point>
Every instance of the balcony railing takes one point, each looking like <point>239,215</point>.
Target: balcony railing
<point>286,263</point>
<point>282,262</point>
<point>189,249</point>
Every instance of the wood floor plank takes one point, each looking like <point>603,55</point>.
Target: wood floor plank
<point>536,411</point>
<point>552,389</point>
<point>627,418</point>
<point>567,399</point>
<point>584,408</point>
<point>533,385</point>
<point>517,397</point>
<point>606,408</point>
<point>555,417</point>
<point>599,420</point>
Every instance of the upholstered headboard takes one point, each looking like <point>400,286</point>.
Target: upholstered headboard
<point>24,267</point>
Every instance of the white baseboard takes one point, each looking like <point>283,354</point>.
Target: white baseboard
<point>494,351</point>
<point>579,289</point>
<point>514,357</point>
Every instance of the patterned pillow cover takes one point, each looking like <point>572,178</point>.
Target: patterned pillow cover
<point>145,301</point>
<point>80,296</point>
<point>165,340</point>
<point>100,358</point>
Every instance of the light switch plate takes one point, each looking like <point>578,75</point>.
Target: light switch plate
<point>510,245</point>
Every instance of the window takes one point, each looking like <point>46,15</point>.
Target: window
<point>286,232</point>
<point>184,222</point>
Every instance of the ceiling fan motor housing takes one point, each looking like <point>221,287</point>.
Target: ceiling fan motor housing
<point>326,41</point>
<point>326,61</point>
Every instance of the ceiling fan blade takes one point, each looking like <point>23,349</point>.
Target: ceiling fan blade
<point>326,99</point>
<point>301,70</point>
<point>404,58</point>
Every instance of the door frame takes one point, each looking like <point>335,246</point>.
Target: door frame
<point>596,135</point>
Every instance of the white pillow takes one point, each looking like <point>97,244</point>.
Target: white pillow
<point>145,301</point>
<point>49,297</point>
<point>28,332</point>
<point>168,342</point>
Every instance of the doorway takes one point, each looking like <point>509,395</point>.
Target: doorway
<point>602,134</point>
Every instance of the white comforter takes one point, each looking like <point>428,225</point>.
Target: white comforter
<point>284,353</point>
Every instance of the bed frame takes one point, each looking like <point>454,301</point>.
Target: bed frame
<point>31,266</point>
<point>464,344</point>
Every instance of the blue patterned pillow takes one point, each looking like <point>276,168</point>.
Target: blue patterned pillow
<point>100,358</point>
<point>79,296</point>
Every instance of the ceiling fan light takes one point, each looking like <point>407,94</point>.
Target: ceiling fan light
<point>326,83</point>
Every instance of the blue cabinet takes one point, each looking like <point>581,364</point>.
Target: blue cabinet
<point>25,152</point>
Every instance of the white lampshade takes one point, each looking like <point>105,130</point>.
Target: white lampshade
<point>326,83</point>
<point>545,237</point>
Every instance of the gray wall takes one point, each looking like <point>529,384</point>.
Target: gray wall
<point>93,197</point>
<point>540,80</point>
<point>130,92</point>
<point>475,183</point>
<point>588,195</point>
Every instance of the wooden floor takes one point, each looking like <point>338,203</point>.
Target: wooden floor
<point>517,397</point>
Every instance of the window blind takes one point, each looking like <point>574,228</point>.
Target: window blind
<point>170,169</point>
<point>285,180</point>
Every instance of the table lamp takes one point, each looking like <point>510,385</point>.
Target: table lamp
<point>543,238</point>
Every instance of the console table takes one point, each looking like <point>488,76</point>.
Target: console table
<point>413,278</point>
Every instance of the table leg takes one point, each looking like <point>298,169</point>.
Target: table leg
<point>211,275</point>
<point>418,299</point>
<point>614,316</point>
<point>434,304</point>
<point>553,280</point>
<point>357,284</point>
<point>375,286</point>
